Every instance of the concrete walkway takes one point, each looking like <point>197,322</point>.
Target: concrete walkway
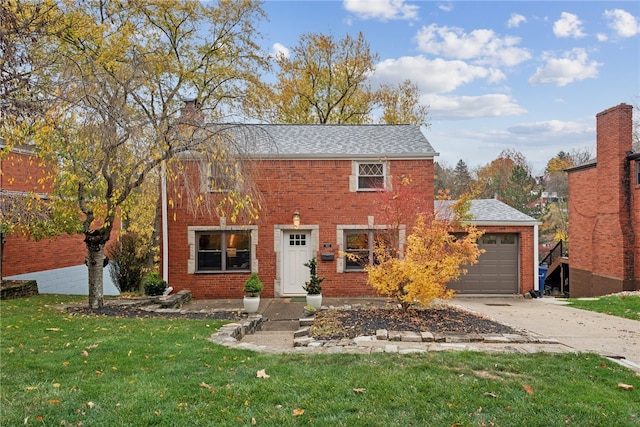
<point>572,329</point>
<point>581,330</point>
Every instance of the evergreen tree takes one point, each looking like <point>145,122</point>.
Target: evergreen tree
<point>462,179</point>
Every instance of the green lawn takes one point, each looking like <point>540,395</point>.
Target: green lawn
<point>621,306</point>
<point>58,369</point>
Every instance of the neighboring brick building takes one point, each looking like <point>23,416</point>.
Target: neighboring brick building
<point>319,200</point>
<point>604,211</point>
<point>53,262</point>
<point>21,173</point>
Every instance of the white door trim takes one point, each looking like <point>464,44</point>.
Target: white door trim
<point>278,247</point>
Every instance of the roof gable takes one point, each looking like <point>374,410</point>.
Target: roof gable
<point>487,212</point>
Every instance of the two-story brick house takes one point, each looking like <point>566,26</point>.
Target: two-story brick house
<point>320,198</point>
<point>604,211</point>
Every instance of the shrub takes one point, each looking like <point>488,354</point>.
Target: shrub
<point>128,261</point>
<point>253,286</point>
<point>154,285</point>
<point>433,257</point>
<point>312,287</point>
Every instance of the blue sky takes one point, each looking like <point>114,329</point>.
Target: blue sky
<point>523,75</point>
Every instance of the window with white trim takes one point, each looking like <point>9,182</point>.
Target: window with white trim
<point>371,176</point>
<point>223,250</point>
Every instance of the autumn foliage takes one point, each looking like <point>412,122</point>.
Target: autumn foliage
<point>434,253</point>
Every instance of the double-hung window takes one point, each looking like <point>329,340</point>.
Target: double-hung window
<point>225,250</point>
<point>371,176</point>
<point>223,176</point>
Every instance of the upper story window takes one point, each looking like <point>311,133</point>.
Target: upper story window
<point>637,172</point>
<point>228,250</point>
<point>371,176</point>
<point>223,176</point>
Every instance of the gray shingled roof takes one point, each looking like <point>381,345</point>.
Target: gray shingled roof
<point>488,212</point>
<point>337,141</point>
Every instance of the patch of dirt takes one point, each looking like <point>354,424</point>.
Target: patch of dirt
<point>337,324</point>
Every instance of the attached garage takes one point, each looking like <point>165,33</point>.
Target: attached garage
<point>509,264</point>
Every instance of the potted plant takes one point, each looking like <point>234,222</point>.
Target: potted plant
<point>309,311</point>
<point>252,289</point>
<point>312,287</point>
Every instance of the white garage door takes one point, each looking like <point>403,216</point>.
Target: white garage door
<point>497,269</point>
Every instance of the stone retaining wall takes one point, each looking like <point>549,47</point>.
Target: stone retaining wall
<point>12,289</point>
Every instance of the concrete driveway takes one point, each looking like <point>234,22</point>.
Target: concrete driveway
<point>582,330</point>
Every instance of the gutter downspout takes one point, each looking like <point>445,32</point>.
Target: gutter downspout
<point>165,237</point>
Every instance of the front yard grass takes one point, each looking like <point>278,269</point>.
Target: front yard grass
<point>58,369</point>
<point>627,306</point>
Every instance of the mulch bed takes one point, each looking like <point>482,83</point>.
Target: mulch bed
<point>337,324</point>
<point>135,312</point>
<point>340,323</point>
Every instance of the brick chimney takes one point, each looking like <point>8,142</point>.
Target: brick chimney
<point>613,233</point>
<point>191,113</point>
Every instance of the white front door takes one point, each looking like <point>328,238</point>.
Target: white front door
<point>296,252</point>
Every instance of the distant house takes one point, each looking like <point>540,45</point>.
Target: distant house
<point>57,263</point>
<point>319,185</point>
<point>604,211</point>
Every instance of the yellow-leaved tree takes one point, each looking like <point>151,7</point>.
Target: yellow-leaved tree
<point>110,79</point>
<point>435,252</point>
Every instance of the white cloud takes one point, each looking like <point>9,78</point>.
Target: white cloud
<point>622,22</point>
<point>602,37</point>
<point>471,107</point>
<point>431,75</point>
<point>553,127</point>
<point>537,141</point>
<point>571,67</point>
<point>568,26</point>
<point>515,20</point>
<point>445,7</point>
<point>483,46</point>
<point>278,49</point>
<point>383,10</point>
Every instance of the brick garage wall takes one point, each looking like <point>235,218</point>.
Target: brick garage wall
<point>601,226</point>
<point>319,190</point>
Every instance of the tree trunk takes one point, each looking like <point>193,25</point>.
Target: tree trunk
<point>95,241</point>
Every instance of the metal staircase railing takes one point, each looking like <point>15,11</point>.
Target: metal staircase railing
<point>555,253</point>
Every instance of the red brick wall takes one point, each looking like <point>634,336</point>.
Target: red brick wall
<point>635,221</point>
<point>603,210</point>
<point>582,217</point>
<point>22,171</point>
<point>22,255</point>
<point>319,190</point>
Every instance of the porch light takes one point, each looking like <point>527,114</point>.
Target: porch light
<point>296,219</point>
